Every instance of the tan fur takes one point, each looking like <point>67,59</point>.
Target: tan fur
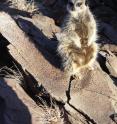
<point>77,44</point>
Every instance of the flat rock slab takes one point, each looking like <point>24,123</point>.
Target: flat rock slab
<point>94,97</point>
<point>109,47</point>
<point>36,60</point>
<point>36,27</point>
<point>111,63</point>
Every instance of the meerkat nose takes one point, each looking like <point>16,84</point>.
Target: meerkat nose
<point>73,8</point>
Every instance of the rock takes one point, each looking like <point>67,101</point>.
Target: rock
<point>38,62</point>
<point>37,28</point>
<point>93,97</point>
<point>41,22</point>
<point>111,63</point>
<point>109,47</point>
<point>17,107</point>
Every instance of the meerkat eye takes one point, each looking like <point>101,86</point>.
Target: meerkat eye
<point>78,4</point>
<point>70,4</point>
<point>86,2</point>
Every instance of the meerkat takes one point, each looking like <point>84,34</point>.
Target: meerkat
<point>77,45</point>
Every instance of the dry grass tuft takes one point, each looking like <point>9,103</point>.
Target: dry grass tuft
<point>24,5</point>
<point>52,115</point>
<point>11,73</point>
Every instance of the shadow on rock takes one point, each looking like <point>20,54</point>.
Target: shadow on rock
<point>48,47</point>
<point>5,6</point>
<point>12,109</point>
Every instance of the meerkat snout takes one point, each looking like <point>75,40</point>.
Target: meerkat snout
<point>74,7</point>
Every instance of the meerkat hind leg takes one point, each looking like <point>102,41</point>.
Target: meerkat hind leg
<point>76,76</point>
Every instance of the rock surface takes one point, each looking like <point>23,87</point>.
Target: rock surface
<point>16,106</point>
<point>111,63</point>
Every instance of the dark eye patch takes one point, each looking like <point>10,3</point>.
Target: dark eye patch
<point>86,2</point>
<point>78,4</point>
<point>70,4</point>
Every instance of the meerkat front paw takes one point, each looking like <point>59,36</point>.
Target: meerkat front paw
<point>90,68</point>
<point>77,76</point>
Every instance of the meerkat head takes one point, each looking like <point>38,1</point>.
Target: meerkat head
<point>75,7</point>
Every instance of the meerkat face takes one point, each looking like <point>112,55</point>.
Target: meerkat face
<point>74,7</point>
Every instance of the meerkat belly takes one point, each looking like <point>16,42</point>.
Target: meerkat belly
<point>81,56</point>
<point>84,56</point>
<point>82,31</point>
